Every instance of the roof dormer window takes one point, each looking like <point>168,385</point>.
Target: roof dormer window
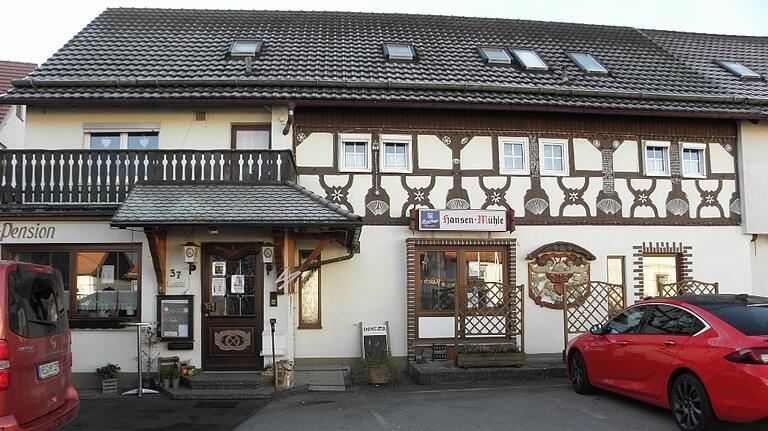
<point>245,47</point>
<point>399,51</point>
<point>739,70</point>
<point>529,59</point>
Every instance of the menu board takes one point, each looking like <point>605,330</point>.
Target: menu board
<point>175,316</point>
<point>374,338</point>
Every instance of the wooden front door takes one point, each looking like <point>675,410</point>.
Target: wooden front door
<point>233,286</point>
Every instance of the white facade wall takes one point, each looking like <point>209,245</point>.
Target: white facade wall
<point>753,172</point>
<point>12,130</point>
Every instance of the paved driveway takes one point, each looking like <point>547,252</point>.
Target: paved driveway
<point>548,405</point>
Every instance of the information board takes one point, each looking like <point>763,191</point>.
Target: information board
<point>175,314</point>
<point>375,339</point>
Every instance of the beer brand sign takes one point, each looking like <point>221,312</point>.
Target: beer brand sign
<point>463,220</point>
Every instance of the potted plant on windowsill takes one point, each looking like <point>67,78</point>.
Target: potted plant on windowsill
<point>108,374</point>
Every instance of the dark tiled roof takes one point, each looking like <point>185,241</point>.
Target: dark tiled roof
<point>229,204</point>
<point>9,71</point>
<point>702,51</point>
<point>337,56</point>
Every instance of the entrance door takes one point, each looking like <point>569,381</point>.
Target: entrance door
<point>233,286</point>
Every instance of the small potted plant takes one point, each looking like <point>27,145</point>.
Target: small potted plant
<point>187,369</point>
<point>380,368</point>
<point>108,374</point>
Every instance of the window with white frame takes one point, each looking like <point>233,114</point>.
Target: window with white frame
<point>355,152</point>
<point>692,159</point>
<point>513,155</point>
<point>395,153</point>
<point>122,136</point>
<point>554,156</point>
<point>656,157</point>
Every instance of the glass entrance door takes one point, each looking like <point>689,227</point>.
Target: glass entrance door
<point>232,306</point>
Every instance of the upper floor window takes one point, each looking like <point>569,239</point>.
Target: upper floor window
<point>122,136</point>
<point>496,55</point>
<point>554,156</point>
<point>513,155</point>
<point>399,51</point>
<point>251,137</point>
<point>692,158</point>
<point>355,152</point>
<point>529,59</point>
<point>588,63</point>
<point>656,157</point>
<point>396,155</point>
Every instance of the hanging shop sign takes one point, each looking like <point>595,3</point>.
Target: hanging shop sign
<point>175,316</point>
<point>375,339</point>
<point>462,220</point>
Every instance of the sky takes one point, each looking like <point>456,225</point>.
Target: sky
<point>33,30</point>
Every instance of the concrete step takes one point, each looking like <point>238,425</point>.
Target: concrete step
<point>322,377</point>
<point>231,381</point>
<point>185,393</point>
<point>538,367</point>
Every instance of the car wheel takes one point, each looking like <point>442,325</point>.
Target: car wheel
<point>690,405</point>
<point>579,376</point>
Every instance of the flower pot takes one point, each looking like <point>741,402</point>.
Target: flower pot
<point>175,383</point>
<point>378,375</point>
<point>109,386</point>
<point>166,383</point>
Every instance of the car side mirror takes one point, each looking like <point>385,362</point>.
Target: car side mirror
<point>597,330</point>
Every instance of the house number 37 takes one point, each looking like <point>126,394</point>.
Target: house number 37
<point>174,273</point>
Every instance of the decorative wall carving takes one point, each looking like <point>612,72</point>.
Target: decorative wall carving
<point>338,194</point>
<point>709,198</point>
<point>418,197</point>
<point>554,266</point>
<point>496,196</point>
<point>574,196</point>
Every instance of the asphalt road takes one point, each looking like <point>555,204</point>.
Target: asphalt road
<point>547,405</point>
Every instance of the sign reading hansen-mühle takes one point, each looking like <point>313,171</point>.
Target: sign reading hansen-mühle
<point>463,220</point>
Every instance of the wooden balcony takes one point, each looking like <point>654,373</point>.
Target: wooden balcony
<point>93,179</point>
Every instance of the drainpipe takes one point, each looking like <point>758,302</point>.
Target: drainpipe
<point>288,122</point>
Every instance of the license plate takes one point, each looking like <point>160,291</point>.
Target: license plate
<point>50,369</point>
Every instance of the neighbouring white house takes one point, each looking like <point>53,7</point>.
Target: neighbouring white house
<point>459,180</point>
<point>12,116</point>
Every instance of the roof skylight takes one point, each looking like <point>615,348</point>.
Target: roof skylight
<point>529,59</point>
<point>496,55</point>
<point>245,47</point>
<point>399,51</point>
<point>588,63</point>
<point>739,69</point>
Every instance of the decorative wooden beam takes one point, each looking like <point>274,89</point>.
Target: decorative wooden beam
<point>315,253</point>
<point>157,249</point>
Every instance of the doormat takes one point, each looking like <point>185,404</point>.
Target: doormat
<point>215,405</point>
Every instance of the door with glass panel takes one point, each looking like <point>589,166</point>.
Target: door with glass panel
<point>477,275</point>
<point>232,306</point>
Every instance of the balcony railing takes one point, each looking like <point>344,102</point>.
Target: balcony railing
<point>87,177</point>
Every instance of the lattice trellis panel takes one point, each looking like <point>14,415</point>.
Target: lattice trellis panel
<point>688,287</point>
<point>490,310</point>
<point>588,304</point>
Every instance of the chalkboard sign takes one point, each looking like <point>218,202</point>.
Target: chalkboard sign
<point>375,339</point>
<point>175,313</point>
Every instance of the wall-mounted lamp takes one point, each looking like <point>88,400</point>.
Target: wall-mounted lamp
<point>191,250</point>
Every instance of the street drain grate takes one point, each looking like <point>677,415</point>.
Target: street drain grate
<point>215,405</point>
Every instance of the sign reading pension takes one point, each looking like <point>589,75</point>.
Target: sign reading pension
<point>464,220</point>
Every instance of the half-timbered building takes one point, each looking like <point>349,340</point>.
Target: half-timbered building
<point>459,179</point>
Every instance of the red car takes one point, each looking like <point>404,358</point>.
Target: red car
<point>705,357</point>
<point>35,349</point>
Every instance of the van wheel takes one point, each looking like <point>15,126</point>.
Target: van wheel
<point>579,376</point>
<point>690,405</point>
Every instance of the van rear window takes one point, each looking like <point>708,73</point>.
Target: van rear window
<point>750,319</point>
<point>35,307</point>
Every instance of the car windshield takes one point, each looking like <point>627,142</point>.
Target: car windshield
<point>751,319</point>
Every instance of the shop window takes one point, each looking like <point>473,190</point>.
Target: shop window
<point>396,155</point>
<point>438,271</point>
<point>658,270</point>
<point>656,158</point>
<point>513,155</point>
<point>309,295</point>
<point>354,152</point>
<point>102,284</point>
